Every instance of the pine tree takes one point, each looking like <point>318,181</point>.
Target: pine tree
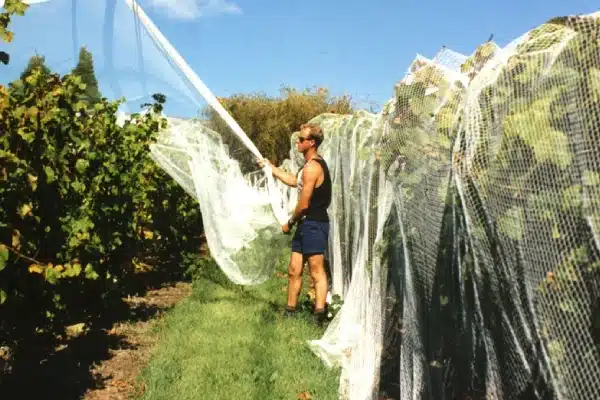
<point>35,62</point>
<point>85,70</point>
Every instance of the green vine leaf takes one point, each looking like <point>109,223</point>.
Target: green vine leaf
<point>3,256</point>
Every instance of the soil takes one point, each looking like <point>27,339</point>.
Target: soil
<point>119,374</point>
<point>102,362</point>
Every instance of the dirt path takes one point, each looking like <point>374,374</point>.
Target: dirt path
<point>116,376</point>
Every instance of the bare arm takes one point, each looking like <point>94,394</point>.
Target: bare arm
<point>284,176</point>
<point>280,174</point>
<point>310,175</point>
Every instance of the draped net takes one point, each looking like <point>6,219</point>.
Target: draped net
<point>465,221</point>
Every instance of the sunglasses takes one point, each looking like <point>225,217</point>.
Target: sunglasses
<point>302,139</point>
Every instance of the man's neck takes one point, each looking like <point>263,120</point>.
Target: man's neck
<point>310,153</point>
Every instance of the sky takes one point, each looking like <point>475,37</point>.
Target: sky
<point>359,48</point>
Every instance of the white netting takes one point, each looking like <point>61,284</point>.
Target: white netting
<point>465,221</point>
<point>491,244</point>
<point>526,168</point>
<point>237,206</point>
<point>390,176</point>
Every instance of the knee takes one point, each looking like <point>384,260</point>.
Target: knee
<point>318,276</point>
<point>294,274</point>
<point>295,271</point>
<point>317,269</point>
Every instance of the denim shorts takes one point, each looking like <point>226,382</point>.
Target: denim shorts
<point>311,237</point>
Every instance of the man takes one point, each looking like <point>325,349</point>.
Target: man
<point>310,239</point>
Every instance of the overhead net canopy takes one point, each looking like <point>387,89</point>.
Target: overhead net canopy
<point>203,148</point>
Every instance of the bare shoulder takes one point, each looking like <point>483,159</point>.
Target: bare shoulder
<point>312,168</point>
<point>311,171</point>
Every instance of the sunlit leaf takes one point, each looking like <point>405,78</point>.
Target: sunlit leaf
<point>36,269</point>
<point>16,239</point>
<point>3,256</point>
<point>32,181</point>
<point>25,210</point>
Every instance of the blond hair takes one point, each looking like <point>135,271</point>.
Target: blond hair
<point>314,131</point>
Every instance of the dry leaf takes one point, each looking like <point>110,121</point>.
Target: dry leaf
<point>113,331</point>
<point>119,383</point>
<point>304,396</point>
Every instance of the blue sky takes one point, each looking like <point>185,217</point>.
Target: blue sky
<point>356,47</point>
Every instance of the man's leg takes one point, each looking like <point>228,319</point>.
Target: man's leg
<point>312,281</point>
<point>314,246</point>
<point>316,263</point>
<point>294,279</point>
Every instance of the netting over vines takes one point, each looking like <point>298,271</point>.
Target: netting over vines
<point>473,205</point>
<point>465,221</point>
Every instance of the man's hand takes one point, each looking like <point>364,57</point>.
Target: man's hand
<point>286,228</point>
<point>261,163</point>
<point>284,176</point>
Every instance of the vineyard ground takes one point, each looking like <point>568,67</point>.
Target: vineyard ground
<point>231,342</point>
<point>174,339</point>
<point>119,374</point>
<point>100,361</point>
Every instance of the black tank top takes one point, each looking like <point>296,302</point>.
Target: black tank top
<point>321,197</point>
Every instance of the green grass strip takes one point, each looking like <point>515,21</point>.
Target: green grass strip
<point>231,342</point>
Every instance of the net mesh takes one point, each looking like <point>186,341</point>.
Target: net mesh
<point>405,163</point>
<point>465,220</point>
<point>479,279</point>
<point>528,144</point>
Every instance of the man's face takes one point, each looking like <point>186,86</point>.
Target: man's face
<point>304,142</point>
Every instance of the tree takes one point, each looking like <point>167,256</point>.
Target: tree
<point>85,70</point>
<point>35,62</point>
<point>36,65</point>
<point>270,121</point>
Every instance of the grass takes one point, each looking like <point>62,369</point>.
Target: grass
<point>232,342</point>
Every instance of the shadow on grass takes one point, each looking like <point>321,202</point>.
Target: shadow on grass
<point>53,366</point>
